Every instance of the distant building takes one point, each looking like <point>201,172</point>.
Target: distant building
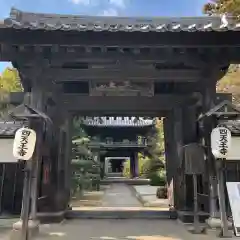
<point>119,138</point>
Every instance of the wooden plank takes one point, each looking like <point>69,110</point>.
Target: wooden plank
<point>190,39</point>
<point>59,54</point>
<point>74,102</point>
<point>17,98</point>
<point>118,74</point>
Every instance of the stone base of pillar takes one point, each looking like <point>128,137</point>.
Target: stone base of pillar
<point>52,217</point>
<point>214,223</point>
<point>33,229</point>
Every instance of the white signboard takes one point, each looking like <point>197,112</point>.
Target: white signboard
<point>6,151</point>
<point>234,153</point>
<point>24,144</point>
<point>233,189</point>
<point>220,142</point>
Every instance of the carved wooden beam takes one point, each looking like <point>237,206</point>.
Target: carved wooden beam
<point>118,105</point>
<point>59,54</point>
<point>118,74</point>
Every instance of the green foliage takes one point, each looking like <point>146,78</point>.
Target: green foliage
<point>86,172</point>
<point>157,178</point>
<point>9,82</point>
<point>143,164</point>
<point>78,131</point>
<point>126,169</point>
<point>154,157</point>
<point>215,7</point>
<point>151,163</point>
<point>230,83</point>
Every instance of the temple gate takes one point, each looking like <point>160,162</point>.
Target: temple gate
<point>109,66</point>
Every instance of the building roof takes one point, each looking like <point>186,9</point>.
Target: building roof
<point>233,126</point>
<point>117,122</point>
<point>224,108</point>
<point>51,22</point>
<point>8,129</point>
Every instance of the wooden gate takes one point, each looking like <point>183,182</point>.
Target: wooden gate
<point>11,187</point>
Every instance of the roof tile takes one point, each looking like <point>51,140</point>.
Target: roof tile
<point>117,122</point>
<point>9,128</point>
<point>52,22</point>
<point>233,126</point>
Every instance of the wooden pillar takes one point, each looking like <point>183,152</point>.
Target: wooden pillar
<point>189,136</point>
<point>208,102</point>
<point>168,141</point>
<point>64,172</point>
<point>173,148</point>
<point>52,181</point>
<point>132,165</point>
<point>136,164</point>
<point>179,186</point>
<point>37,101</point>
<point>68,153</point>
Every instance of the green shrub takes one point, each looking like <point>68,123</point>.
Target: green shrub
<point>126,169</point>
<point>157,179</point>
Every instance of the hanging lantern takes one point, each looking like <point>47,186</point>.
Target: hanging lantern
<point>24,144</point>
<point>220,142</point>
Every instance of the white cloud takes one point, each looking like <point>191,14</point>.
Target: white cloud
<point>118,3</point>
<point>83,2</point>
<point>109,12</point>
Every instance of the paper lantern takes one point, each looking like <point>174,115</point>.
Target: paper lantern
<point>24,144</point>
<point>220,142</point>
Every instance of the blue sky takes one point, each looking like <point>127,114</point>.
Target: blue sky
<point>149,8</point>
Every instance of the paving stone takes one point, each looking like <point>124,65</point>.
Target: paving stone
<point>119,195</point>
<point>120,230</point>
<point>146,190</point>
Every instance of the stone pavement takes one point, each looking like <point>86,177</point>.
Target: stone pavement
<point>147,196</point>
<point>119,230</point>
<point>6,226</point>
<point>119,195</point>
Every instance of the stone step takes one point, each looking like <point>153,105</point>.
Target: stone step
<point>136,181</point>
<point>119,213</point>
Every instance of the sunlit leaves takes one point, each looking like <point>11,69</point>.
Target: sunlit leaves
<point>9,82</point>
<point>215,7</point>
<point>230,83</point>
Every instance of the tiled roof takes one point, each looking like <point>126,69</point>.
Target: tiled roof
<point>51,22</point>
<point>233,126</point>
<point>117,122</point>
<point>9,128</point>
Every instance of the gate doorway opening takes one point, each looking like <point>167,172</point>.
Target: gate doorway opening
<point>114,166</point>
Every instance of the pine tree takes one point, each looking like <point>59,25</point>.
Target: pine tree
<point>86,172</point>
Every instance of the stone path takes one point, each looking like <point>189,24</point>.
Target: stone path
<point>116,229</point>
<point>147,196</point>
<point>119,195</point>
